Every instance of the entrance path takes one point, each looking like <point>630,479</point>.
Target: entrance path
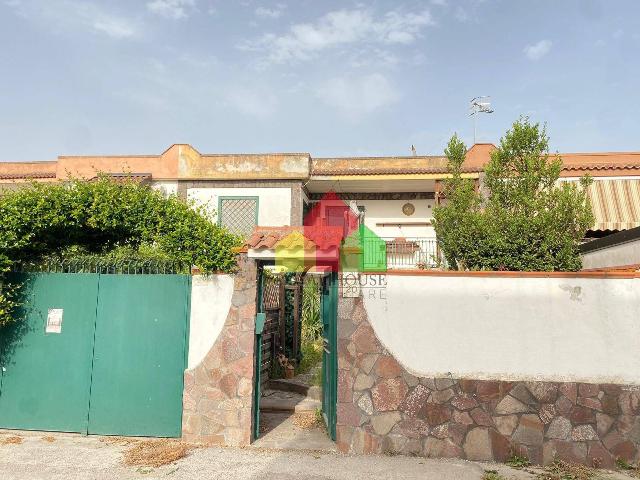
<point>299,431</point>
<point>44,456</point>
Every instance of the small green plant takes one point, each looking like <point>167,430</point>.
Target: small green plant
<point>311,321</point>
<point>518,461</point>
<point>311,356</point>
<point>628,468</point>
<point>492,475</point>
<point>311,337</point>
<point>622,464</point>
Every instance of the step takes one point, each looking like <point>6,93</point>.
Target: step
<point>279,401</point>
<point>290,385</point>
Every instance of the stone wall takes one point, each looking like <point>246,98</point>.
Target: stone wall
<point>218,393</point>
<point>383,408</point>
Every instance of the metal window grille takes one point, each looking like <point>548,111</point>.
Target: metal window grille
<point>239,215</point>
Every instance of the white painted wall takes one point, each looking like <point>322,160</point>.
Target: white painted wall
<point>390,211</point>
<point>166,187</point>
<point>564,329</point>
<point>210,305</point>
<point>274,208</point>
<point>615,256</point>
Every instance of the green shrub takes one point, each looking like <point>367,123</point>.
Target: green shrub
<point>112,220</point>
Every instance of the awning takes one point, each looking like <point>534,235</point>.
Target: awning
<point>615,203</point>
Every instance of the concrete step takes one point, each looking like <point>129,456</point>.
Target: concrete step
<point>280,401</point>
<point>291,385</point>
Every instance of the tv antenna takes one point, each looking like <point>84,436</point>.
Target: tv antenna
<point>479,105</point>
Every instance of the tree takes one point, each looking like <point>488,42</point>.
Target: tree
<point>522,219</point>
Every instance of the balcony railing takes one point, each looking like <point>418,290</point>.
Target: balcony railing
<point>402,253</point>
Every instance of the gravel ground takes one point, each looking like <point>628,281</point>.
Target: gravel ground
<point>72,457</point>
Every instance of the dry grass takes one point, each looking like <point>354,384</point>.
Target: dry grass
<point>306,420</point>
<point>49,439</point>
<point>560,470</point>
<point>156,453</point>
<point>118,440</point>
<point>12,440</point>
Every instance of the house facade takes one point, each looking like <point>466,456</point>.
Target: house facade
<point>393,197</point>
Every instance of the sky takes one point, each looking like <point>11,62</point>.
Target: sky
<point>332,78</point>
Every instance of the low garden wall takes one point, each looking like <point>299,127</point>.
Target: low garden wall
<point>484,366</point>
<point>218,385</point>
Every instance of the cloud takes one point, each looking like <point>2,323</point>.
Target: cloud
<point>358,96</point>
<point>69,15</point>
<point>270,12</point>
<point>172,9</point>
<point>538,50</point>
<point>340,28</point>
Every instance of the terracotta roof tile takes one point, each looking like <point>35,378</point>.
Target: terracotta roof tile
<point>273,237</point>
<point>267,237</point>
<point>31,175</point>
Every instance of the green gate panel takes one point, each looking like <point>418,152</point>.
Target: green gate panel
<point>330,353</point>
<point>140,355</point>
<point>46,377</point>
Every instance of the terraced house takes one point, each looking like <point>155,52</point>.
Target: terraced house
<point>393,196</point>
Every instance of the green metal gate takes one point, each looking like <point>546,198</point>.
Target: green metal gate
<point>47,376</point>
<point>257,381</point>
<point>115,367</point>
<point>330,354</point>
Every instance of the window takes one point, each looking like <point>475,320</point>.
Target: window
<point>238,214</point>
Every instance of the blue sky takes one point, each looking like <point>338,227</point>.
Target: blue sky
<point>325,77</point>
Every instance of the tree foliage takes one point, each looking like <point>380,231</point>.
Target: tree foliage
<point>102,217</point>
<point>522,219</point>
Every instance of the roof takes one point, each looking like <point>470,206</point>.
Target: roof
<point>619,238</point>
<point>272,238</point>
<point>378,165</point>
<point>268,237</point>
<point>27,170</point>
<point>574,164</point>
<point>26,175</point>
<point>183,162</point>
<point>628,162</point>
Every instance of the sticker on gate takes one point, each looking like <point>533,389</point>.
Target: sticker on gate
<point>54,320</point>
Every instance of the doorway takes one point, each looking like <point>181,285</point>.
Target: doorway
<point>296,361</point>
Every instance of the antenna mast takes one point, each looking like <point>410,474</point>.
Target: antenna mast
<point>479,105</point>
